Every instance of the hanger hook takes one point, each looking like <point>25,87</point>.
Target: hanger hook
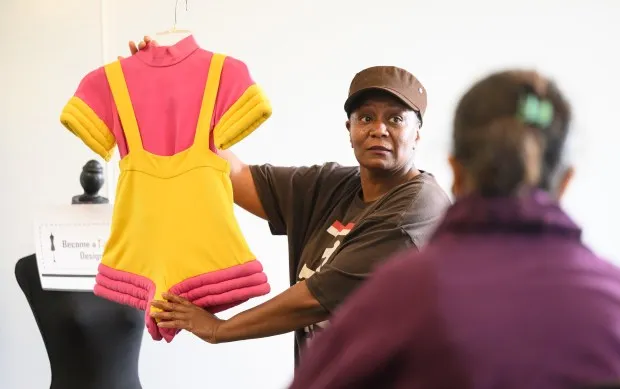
<point>176,6</point>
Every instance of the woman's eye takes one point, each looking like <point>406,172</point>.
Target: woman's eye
<point>365,119</point>
<point>396,119</point>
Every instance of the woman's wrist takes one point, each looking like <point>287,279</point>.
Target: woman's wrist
<point>214,333</point>
<point>231,330</point>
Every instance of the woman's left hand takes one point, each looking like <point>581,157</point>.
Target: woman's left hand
<point>180,313</point>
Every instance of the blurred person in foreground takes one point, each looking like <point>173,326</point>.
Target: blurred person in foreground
<point>506,294</point>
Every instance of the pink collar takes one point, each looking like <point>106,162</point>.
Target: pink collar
<point>168,55</point>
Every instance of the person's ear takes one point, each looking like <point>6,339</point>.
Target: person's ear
<point>348,126</point>
<point>418,127</point>
<point>458,177</point>
<point>563,183</point>
<point>417,138</point>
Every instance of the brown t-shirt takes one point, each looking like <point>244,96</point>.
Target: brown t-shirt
<point>335,239</point>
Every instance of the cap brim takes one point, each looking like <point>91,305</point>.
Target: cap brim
<point>352,98</point>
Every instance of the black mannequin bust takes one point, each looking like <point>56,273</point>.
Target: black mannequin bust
<point>92,343</point>
<point>91,180</point>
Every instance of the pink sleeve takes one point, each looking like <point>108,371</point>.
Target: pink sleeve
<point>241,105</point>
<point>88,114</point>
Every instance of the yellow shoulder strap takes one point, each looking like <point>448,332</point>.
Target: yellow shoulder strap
<point>203,128</point>
<point>120,94</point>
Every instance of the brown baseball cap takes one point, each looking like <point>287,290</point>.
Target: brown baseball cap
<point>391,79</point>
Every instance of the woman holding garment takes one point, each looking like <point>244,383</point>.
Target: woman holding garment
<point>506,294</point>
<point>340,221</point>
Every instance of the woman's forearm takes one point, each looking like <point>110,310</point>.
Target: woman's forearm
<point>293,309</point>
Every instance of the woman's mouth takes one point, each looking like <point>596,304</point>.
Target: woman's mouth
<point>379,149</point>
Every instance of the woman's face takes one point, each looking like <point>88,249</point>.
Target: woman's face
<point>384,133</point>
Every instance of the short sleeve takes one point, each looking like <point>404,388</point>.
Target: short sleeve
<point>356,261</point>
<point>241,105</point>
<point>431,203</point>
<point>293,197</point>
<point>395,225</point>
<point>88,114</point>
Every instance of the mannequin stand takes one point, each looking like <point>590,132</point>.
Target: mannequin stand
<point>91,343</point>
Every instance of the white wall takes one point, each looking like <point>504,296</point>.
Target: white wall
<point>41,59</point>
<point>303,54</point>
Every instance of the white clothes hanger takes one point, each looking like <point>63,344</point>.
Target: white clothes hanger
<point>173,35</point>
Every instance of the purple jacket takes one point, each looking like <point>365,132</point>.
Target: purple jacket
<point>505,295</point>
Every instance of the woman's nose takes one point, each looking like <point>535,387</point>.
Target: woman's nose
<point>378,129</point>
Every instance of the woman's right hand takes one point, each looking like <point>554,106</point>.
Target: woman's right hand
<point>133,48</point>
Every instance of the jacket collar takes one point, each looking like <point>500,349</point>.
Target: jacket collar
<point>533,212</point>
<point>168,55</point>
